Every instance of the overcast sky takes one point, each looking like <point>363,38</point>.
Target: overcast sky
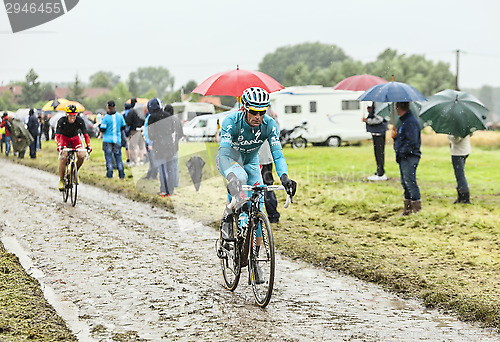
<point>194,39</point>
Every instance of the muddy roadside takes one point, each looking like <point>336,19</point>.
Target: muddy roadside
<point>133,271</point>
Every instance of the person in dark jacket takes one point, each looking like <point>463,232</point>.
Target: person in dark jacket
<point>33,127</point>
<point>377,126</point>
<point>135,140</point>
<point>407,147</point>
<point>161,133</point>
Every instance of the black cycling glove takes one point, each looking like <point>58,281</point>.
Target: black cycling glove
<point>290,185</point>
<point>234,185</point>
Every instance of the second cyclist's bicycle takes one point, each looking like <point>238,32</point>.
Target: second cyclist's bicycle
<point>249,245</point>
<point>71,175</point>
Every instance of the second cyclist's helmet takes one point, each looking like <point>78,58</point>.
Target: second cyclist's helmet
<point>71,109</point>
<point>255,98</point>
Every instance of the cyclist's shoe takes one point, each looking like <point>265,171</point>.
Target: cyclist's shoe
<point>259,274</point>
<point>227,230</point>
<point>61,185</point>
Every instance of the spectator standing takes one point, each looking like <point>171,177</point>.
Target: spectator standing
<point>5,124</point>
<point>152,170</point>
<point>160,132</point>
<point>377,126</point>
<point>135,141</point>
<point>21,137</point>
<point>111,127</point>
<point>40,132</point>
<point>126,132</point>
<point>46,127</point>
<point>178,133</point>
<point>33,127</point>
<point>460,150</point>
<point>407,147</point>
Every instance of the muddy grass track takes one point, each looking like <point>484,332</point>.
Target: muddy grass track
<point>122,270</point>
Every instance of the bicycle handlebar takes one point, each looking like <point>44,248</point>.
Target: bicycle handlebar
<point>74,150</point>
<point>267,188</point>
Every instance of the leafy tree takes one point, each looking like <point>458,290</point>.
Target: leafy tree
<point>156,77</point>
<point>426,76</point>
<point>76,91</point>
<point>32,92</point>
<point>104,79</point>
<point>133,87</point>
<point>48,92</point>
<point>119,94</point>
<point>7,101</point>
<point>189,87</point>
<point>312,55</point>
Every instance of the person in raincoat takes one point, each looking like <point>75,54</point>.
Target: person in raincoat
<point>161,133</point>
<point>33,127</point>
<point>21,137</point>
<point>460,150</point>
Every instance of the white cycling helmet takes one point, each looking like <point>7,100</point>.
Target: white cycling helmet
<point>255,98</point>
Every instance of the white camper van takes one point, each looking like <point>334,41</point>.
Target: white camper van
<point>204,127</point>
<point>332,116</point>
<point>189,110</point>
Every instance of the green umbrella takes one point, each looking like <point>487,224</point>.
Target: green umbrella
<point>384,110</point>
<point>454,112</point>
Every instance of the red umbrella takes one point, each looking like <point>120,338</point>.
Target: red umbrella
<point>359,82</point>
<point>233,82</point>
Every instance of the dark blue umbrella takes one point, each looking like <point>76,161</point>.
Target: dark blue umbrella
<point>392,92</point>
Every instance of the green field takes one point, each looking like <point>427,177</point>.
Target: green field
<point>447,255</point>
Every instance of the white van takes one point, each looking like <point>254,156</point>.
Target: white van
<point>332,116</point>
<point>204,127</point>
<point>187,111</point>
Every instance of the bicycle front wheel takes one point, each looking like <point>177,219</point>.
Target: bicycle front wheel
<point>74,183</point>
<point>230,255</point>
<point>67,183</point>
<point>262,261</point>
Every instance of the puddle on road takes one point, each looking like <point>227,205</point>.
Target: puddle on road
<point>132,271</point>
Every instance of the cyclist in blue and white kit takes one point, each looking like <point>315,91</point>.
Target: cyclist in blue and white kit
<point>242,134</point>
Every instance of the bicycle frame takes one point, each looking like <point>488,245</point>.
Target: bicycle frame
<point>243,250</point>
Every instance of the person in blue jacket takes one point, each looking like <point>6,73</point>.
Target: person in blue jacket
<point>242,134</point>
<point>111,128</point>
<point>407,147</point>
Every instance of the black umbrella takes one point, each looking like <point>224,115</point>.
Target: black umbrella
<point>195,166</point>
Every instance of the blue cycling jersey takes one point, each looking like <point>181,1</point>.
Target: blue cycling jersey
<point>241,143</point>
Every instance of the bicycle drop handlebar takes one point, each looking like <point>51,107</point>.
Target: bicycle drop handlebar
<point>262,188</point>
<point>73,150</point>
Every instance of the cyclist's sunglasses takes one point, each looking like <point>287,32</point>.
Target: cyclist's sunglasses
<point>256,112</point>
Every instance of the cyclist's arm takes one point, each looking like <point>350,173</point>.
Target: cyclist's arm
<point>226,154</point>
<point>276,150</point>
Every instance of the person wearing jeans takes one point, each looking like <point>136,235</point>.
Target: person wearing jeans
<point>111,127</point>
<point>407,147</point>
<point>112,150</point>
<point>460,150</point>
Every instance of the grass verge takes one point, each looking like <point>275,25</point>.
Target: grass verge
<point>447,255</point>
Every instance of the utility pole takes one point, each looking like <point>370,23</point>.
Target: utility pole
<point>456,76</point>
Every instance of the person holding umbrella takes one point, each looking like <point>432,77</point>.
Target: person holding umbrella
<point>460,150</point>
<point>242,134</point>
<point>407,147</point>
<point>377,126</point>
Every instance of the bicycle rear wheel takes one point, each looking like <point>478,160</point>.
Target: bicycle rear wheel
<point>230,260</point>
<point>262,284</point>
<point>74,183</point>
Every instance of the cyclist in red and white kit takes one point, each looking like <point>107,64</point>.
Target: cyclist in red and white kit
<point>67,136</point>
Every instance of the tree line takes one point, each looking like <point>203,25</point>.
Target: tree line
<point>301,64</point>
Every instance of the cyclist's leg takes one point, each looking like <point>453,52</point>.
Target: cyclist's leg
<point>255,178</point>
<point>76,142</point>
